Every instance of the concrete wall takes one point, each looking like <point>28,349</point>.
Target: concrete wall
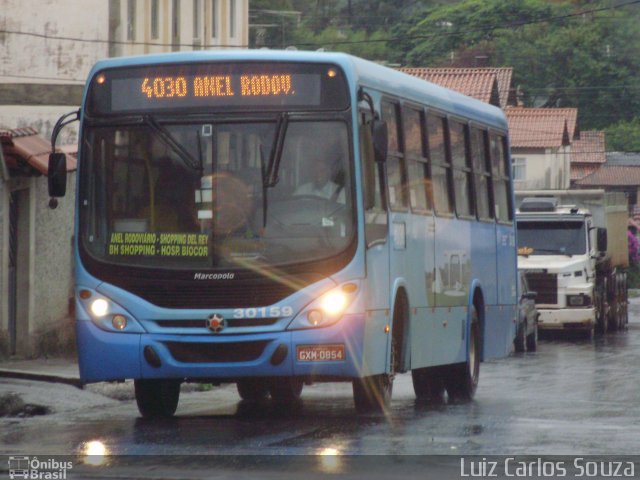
<point>45,276</point>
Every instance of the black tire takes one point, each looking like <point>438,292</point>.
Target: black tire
<point>157,398</point>
<point>532,340</point>
<point>625,302</point>
<point>373,394</point>
<point>602,308</point>
<point>519,341</point>
<point>461,380</point>
<point>428,384</point>
<point>253,389</point>
<point>285,389</point>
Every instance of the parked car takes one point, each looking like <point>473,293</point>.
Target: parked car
<point>526,338</point>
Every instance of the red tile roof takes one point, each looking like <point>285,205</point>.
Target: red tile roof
<point>579,171</point>
<point>610,176</point>
<point>27,145</point>
<point>589,148</point>
<point>491,85</point>
<point>542,127</point>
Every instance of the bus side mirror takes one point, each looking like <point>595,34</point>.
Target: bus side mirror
<point>57,174</point>
<point>380,140</point>
<point>602,239</point>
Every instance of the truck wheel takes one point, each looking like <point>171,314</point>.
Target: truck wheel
<point>461,380</point>
<point>428,384</point>
<point>602,308</point>
<point>157,398</point>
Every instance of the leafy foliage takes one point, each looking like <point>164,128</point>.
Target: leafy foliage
<point>564,53</point>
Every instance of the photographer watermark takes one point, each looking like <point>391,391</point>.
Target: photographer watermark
<point>22,467</point>
<point>531,467</point>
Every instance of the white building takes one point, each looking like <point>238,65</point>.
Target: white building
<point>47,48</point>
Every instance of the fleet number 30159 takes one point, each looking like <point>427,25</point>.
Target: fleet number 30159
<point>263,312</point>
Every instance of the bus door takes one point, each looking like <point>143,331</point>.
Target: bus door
<point>377,247</point>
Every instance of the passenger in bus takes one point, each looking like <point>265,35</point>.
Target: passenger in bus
<point>174,207</point>
<point>321,184</point>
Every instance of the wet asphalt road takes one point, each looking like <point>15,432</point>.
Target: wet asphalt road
<point>571,397</point>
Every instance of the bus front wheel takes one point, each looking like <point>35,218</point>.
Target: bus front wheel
<point>462,379</point>
<point>157,398</point>
<point>373,394</point>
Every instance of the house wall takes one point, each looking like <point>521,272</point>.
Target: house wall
<point>545,168</point>
<point>45,277</point>
<point>192,35</point>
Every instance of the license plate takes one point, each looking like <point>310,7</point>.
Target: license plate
<point>320,353</point>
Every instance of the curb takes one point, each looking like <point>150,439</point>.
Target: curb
<point>41,377</point>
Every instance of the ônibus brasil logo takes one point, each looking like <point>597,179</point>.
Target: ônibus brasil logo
<point>33,468</point>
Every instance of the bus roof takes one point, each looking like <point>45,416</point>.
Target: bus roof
<point>358,71</point>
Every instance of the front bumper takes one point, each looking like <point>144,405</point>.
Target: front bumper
<point>566,319</point>
<point>108,356</point>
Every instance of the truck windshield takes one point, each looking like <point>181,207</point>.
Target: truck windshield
<point>216,195</point>
<point>551,238</point>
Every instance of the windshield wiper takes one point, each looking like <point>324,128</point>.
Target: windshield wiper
<point>270,171</point>
<point>270,177</point>
<point>172,143</point>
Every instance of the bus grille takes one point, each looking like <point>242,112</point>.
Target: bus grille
<point>546,285</point>
<point>216,352</point>
<point>234,294</point>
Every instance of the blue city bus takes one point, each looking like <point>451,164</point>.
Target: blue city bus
<point>273,219</point>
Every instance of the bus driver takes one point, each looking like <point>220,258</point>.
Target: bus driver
<point>321,184</point>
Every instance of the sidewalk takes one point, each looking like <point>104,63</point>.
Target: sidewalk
<point>55,370</point>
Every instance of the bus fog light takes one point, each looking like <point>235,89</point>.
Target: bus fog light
<point>315,317</point>
<point>119,322</point>
<point>99,307</point>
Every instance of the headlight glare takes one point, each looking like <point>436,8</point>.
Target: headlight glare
<point>100,307</point>
<point>334,303</point>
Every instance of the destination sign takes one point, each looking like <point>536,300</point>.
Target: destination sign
<point>215,85</point>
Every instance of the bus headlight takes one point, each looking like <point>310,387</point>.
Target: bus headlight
<point>334,302</point>
<point>327,309</point>
<point>99,307</point>
<point>105,313</point>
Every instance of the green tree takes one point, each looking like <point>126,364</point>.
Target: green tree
<point>623,136</point>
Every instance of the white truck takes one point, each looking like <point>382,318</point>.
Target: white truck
<point>572,245</point>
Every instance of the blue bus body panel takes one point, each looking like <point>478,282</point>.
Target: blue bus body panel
<point>483,253</point>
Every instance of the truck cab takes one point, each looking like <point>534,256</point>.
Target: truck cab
<point>559,249</point>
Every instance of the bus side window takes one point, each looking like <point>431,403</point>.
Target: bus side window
<point>440,167</point>
<point>372,189</point>
<point>481,173</point>
<point>419,181</point>
<point>396,171</point>
<point>500,170</point>
<point>465,205</point>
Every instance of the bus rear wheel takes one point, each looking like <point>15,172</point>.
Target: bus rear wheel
<point>157,398</point>
<point>461,380</point>
<point>428,384</point>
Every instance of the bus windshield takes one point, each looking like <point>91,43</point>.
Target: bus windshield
<point>216,195</point>
<point>551,238</point>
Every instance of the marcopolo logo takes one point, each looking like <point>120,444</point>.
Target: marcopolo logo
<point>214,276</point>
<point>33,468</point>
